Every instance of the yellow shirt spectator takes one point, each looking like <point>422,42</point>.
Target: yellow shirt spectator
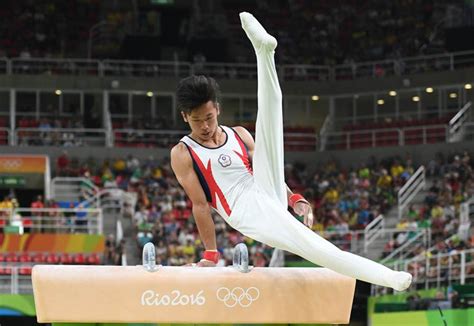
<point>437,212</point>
<point>384,181</point>
<point>157,174</point>
<point>402,225</point>
<point>318,227</point>
<point>189,250</point>
<point>332,196</point>
<point>6,204</point>
<point>120,165</point>
<point>396,170</point>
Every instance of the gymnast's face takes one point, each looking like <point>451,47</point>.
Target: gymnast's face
<point>203,120</point>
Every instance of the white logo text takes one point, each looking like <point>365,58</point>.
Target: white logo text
<point>175,298</point>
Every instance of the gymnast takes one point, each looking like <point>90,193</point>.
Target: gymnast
<point>223,168</point>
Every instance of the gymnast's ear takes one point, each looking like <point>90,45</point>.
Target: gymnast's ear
<point>218,107</point>
<point>184,115</point>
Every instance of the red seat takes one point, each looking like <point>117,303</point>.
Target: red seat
<point>24,258</point>
<point>79,259</point>
<point>11,258</point>
<point>5,270</point>
<point>39,258</point>
<point>52,258</point>
<point>93,259</point>
<point>26,270</point>
<point>66,259</point>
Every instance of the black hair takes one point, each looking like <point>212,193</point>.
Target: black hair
<point>194,91</point>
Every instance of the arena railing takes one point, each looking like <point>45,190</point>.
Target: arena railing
<point>73,189</point>
<point>372,245</point>
<point>294,141</point>
<point>373,231</point>
<point>323,132</point>
<point>178,69</point>
<point>468,131</point>
<point>226,70</point>
<point>352,241</point>
<point>42,66</point>
<point>417,240</point>
<point>342,120</point>
<point>456,124</point>
<point>130,68</point>
<point>357,241</point>
<point>435,271</point>
<point>5,136</point>
<point>113,198</point>
<point>405,66</point>
<point>108,122</point>
<point>410,189</point>
<point>84,191</point>
<point>466,216</point>
<point>54,220</point>
<point>147,138</point>
<point>306,72</point>
<point>65,137</point>
<point>15,282</point>
<point>371,138</point>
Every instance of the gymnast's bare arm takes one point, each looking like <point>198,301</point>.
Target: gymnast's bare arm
<point>301,208</point>
<point>182,166</point>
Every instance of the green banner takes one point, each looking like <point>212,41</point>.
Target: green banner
<point>16,304</point>
<point>425,318</point>
<point>22,181</point>
<point>12,181</point>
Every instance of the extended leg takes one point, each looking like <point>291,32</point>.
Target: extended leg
<point>260,218</point>
<point>268,164</point>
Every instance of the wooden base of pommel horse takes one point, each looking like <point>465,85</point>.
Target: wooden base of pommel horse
<point>191,295</point>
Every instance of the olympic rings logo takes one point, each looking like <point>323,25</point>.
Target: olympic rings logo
<point>238,296</point>
<point>10,164</point>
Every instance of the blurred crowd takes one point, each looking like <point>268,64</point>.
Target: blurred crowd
<point>44,132</point>
<point>452,186</point>
<point>337,32</point>
<point>49,28</point>
<point>310,32</point>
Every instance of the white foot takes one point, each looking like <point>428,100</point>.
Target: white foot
<point>401,281</point>
<point>256,33</point>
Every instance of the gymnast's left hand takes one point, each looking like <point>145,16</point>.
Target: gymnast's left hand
<point>202,263</point>
<point>304,209</point>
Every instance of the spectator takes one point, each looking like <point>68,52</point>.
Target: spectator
<point>62,165</point>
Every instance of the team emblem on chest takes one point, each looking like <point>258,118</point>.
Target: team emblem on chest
<point>224,160</point>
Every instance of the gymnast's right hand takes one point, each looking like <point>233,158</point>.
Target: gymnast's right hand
<point>206,263</point>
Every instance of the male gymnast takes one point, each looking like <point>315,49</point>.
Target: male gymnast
<point>224,169</point>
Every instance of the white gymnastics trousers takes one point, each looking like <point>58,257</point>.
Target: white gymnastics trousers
<point>261,212</point>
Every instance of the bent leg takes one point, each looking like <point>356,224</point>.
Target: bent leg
<point>268,159</point>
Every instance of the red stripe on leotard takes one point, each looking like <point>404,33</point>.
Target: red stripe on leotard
<point>211,182</point>
<point>244,156</point>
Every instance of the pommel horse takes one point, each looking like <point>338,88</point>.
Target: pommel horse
<point>157,294</point>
